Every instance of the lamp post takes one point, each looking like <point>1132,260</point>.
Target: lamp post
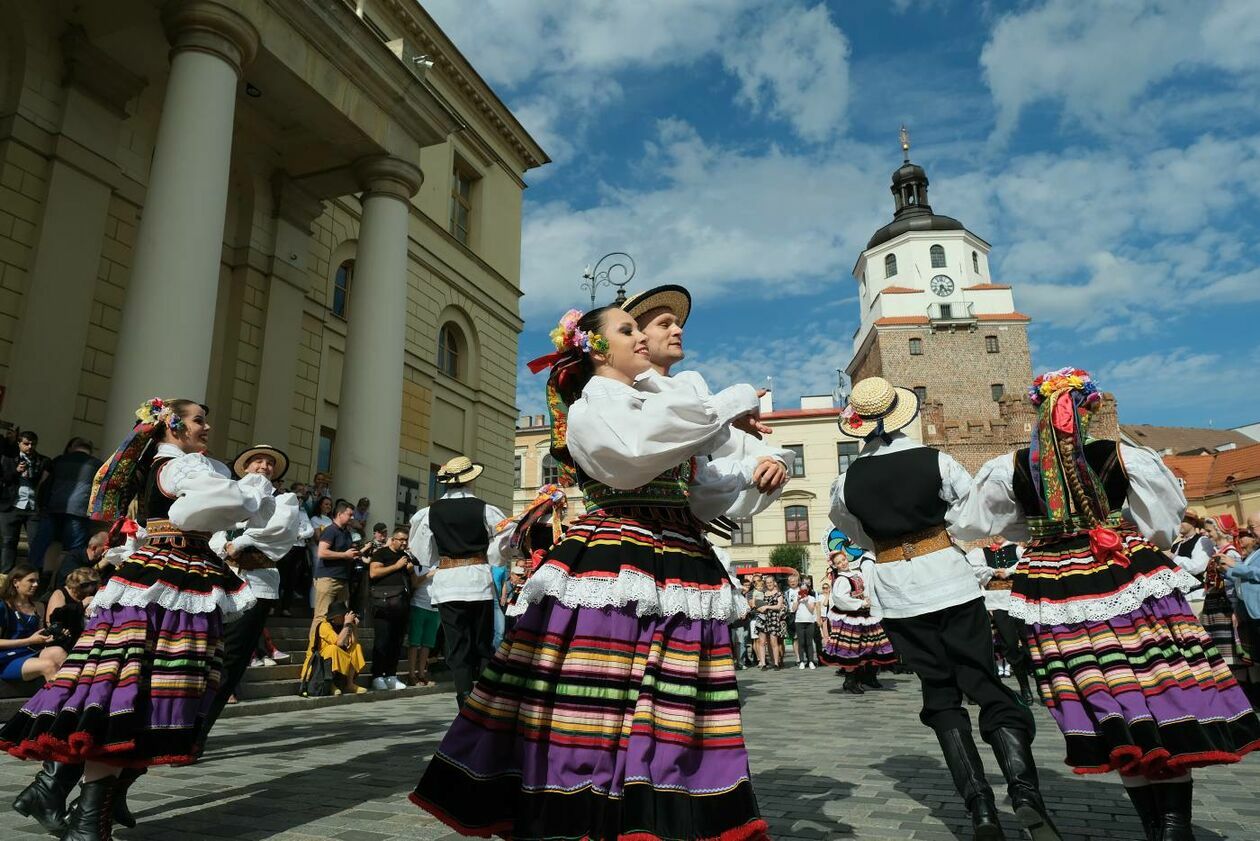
<point>593,278</point>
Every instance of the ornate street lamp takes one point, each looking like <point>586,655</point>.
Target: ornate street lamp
<point>601,275</point>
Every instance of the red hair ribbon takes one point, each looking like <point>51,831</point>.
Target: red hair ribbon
<point>547,361</point>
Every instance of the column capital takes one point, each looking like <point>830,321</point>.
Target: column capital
<point>210,27</point>
<point>390,176</point>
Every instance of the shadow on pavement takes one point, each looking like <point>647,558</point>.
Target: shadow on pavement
<point>792,800</point>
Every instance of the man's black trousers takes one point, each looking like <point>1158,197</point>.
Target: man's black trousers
<point>468,634</point>
<point>951,650</point>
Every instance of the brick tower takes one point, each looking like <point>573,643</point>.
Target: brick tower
<point>934,321</point>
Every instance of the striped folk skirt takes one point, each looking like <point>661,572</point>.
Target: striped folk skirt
<point>856,640</point>
<point>137,686</point>
<point>1127,672</point>
<point>605,721</point>
<point>1218,620</point>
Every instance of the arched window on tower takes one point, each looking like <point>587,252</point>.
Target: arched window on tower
<point>938,257</point>
<point>975,262</point>
<point>890,265</point>
<point>341,288</point>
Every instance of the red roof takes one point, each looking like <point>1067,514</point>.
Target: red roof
<point>982,286</point>
<point>1214,473</point>
<point>899,290</point>
<point>781,414</point>
<point>889,320</point>
<point>1003,316</point>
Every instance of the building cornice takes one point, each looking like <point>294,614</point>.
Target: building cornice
<point>463,77</point>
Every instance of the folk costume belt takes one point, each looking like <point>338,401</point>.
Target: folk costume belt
<point>252,559</point>
<point>999,584</point>
<point>164,532</point>
<point>913,545</point>
<point>455,563</point>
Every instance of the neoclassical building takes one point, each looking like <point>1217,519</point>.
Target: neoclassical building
<point>305,212</point>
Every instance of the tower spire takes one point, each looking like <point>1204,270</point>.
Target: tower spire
<point>905,143</point>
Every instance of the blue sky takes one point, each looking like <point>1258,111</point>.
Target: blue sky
<point>1108,149</point>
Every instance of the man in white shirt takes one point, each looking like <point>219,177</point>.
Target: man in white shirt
<point>456,535</point>
<point>895,498</point>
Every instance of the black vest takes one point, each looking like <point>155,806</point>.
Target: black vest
<point>1102,456</point>
<point>1004,557</point>
<point>459,527</point>
<point>154,504</point>
<point>896,494</point>
<point>1184,548</point>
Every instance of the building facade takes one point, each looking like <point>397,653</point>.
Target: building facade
<point>1220,482</point>
<point>305,214</point>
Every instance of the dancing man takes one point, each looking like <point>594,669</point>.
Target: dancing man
<point>1128,673</point>
<point>611,710</point>
<point>895,497</point>
<point>456,537</point>
<point>997,562</point>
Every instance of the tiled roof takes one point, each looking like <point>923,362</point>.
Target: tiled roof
<point>979,287</point>
<point>1183,439</point>
<point>900,290</point>
<point>1210,474</point>
<point>890,320</point>
<point>1003,316</point>
<point>784,414</point>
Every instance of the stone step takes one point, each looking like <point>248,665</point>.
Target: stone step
<point>291,702</point>
<point>276,686</point>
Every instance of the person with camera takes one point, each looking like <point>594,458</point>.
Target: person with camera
<point>336,641</point>
<point>805,616</point>
<point>20,472</point>
<point>335,559</point>
<point>27,649</point>
<point>390,573</point>
<point>66,613</point>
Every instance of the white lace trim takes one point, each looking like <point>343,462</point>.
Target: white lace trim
<point>230,604</point>
<point>1103,608</point>
<point>630,586</point>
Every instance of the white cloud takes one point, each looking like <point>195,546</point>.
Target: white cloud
<point>1155,381</point>
<point>1101,60</point>
<point>767,224</point>
<point>795,65</point>
<point>790,59</point>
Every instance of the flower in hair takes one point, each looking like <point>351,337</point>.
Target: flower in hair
<point>156,412</point>
<point>1074,379</point>
<point>569,336</point>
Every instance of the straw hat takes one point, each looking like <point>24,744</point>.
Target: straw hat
<point>459,471</point>
<point>243,460</point>
<point>671,297</point>
<point>875,400</point>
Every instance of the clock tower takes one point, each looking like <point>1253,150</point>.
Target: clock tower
<point>933,319</point>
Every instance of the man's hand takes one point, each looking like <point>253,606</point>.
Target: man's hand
<point>751,423</point>
<point>769,475</point>
<point>230,549</point>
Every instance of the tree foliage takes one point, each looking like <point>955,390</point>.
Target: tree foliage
<point>794,555</point>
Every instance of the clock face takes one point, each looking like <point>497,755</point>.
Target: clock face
<point>942,285</point>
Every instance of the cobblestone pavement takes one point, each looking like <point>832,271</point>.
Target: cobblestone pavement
<point>825,765</point>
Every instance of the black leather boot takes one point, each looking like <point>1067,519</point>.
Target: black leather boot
<point>45,798</point>
<point>1175,800</point>
<point>965,767</point>
<point>1146,804</point>
<point>122,814</point>
<point>1013,749</point>
<point>1025,690</point>
<point>93,817</point>
<point>851,684</point>
<point>868,678</point>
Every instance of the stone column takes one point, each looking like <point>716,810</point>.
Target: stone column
<point>288,284</point>
<point>43,388</point>
<point>369,416</point>
<point>168,316</point>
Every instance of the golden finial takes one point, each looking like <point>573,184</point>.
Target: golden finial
<point>905,143</point>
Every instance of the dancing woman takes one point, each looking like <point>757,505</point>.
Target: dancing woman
<point>1127,671</point>
<point>857,644</point>
<point>610,712</point>
<point>136,689</point>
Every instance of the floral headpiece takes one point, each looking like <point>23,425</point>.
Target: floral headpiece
<point>157,412</point>
<point>569,336</point>
<point>1064,379</point>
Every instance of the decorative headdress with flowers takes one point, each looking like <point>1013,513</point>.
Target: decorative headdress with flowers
<point>113,487</point>
<point>573,346</point>
<point>1068,486</point>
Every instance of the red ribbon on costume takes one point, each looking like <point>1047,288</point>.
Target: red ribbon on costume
<point>1107,545</point>
<point>546,361</point>
<point>1063,415</point>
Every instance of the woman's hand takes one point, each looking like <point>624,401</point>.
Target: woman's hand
<point>751,423</point>
<point>769,475</point>
<point>39,638</point>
